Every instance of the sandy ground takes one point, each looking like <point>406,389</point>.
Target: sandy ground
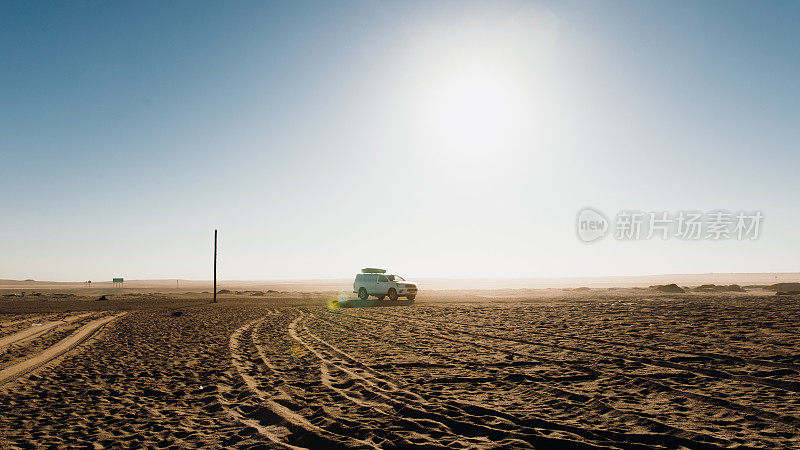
<point>545,369</point>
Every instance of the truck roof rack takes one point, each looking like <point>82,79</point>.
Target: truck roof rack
<point>373,270</point>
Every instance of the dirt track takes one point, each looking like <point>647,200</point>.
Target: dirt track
<point>694,372</point>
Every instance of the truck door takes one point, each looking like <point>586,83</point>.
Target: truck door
<point>382,287</point>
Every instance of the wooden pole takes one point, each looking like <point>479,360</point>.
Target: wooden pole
<point>215,266</point>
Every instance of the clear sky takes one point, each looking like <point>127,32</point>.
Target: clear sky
<point>433,138</point>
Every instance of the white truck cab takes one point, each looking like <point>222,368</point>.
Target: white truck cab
<point>376,283</point>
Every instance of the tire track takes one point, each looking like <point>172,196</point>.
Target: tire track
<point>268,432</point>
<point>284,428</point>
<point>16,322</point>
<point>56,350</point>
<point>37,330</point>
<point>780,418</point>
<point>713,373</point>
<point>342,388</point>
<point>717,356</point>
<point>676,436</point>
<point>419,409</point>
<point>576,400</point>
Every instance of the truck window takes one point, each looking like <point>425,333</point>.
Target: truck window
<point>382,279</point>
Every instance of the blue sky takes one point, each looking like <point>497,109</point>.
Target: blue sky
<point>435,138</point>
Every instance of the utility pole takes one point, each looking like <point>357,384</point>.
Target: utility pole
<point>215,266</point>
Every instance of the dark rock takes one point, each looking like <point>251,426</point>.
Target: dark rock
<point>669,288</point>
<point>719,288</point>
<point>785,287</point>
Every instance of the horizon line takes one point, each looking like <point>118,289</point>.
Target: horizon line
<point>278,280</point>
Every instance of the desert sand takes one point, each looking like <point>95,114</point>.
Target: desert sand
<point>586,368</point>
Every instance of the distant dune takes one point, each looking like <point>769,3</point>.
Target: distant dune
<point>345,285</point>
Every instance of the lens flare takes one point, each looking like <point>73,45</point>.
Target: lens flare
<point>334,304</point>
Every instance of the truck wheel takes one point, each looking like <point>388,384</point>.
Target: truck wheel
<point>392,295</point>
<point>381,297</point>
<point>411,297</point>
<point>362,294</point>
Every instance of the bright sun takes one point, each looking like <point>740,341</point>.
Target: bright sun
<point>480,90</point>
<point>474,107</point>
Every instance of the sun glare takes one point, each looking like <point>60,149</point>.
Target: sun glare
<point>474,107</point>
<point>484,87</point>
